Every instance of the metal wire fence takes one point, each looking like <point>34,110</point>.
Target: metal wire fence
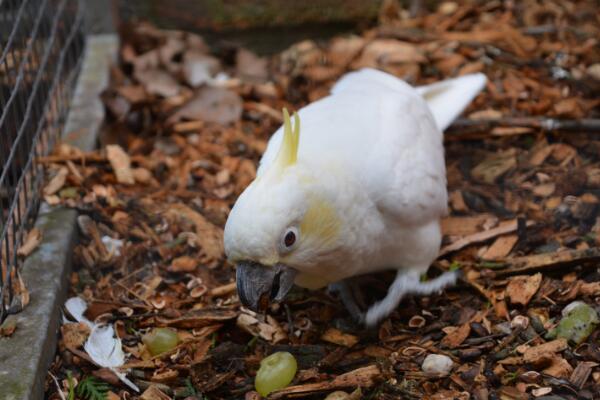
<point>41,45</point>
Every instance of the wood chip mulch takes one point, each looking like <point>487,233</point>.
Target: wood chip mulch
<point>186,124</point>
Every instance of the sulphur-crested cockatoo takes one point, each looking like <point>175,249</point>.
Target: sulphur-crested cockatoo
<point>359,187</point>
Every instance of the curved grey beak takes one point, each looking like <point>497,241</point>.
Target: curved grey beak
<point>258,285</point>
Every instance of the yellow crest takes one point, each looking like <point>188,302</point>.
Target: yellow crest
<point>288,151</point>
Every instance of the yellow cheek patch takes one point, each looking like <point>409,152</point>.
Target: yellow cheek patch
<point>320,221</point>
<point>269,261</point>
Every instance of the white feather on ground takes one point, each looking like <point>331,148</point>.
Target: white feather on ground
<point>103,346</point>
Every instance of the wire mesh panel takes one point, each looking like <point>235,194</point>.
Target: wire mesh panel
<point>41,43</point>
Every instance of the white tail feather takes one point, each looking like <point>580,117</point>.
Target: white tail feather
<point>448,99</point>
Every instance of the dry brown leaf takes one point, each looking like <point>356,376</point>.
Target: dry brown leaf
<point>32,241</point>
<point>158,82</point>
<point>544,352</point>
<point>154,393</point>
<point>251,67</point>
<point>74,334</point>
<point>57,182</point>
<point>511,130</point>
<point>522,288</point>
<point>502,229</point>
<point>142,175</point>
<point>199,67</point>
<point>343,50</point>
<point>501,309</point>
<point>455,335</point>
<point>197,318</point>
<point>461,226</point>
<point>540,154</point>
<point>545,189</point>
<point>270,330</point>
<point>581,373</point>
<point>338,337</point>
<point>183,264</point>
<point>120,163</point>
<point>8,326</point>
<point>20,292</point>
<point>494,166</point>
<point>387,52</point>
<point>501,247</point>
<point>211,104</point>
<point>590,288</point>
<point>210,237</point>
<point>364,377</point>
<point>559,368</point>
<point>133,93</point>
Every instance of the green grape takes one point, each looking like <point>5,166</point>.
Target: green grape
<point>275,372</point>
<point>159,340</point>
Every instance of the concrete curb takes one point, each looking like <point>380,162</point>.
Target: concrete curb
<point>27,354</point>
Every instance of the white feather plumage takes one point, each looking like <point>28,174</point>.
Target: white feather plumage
<point>374,150</point>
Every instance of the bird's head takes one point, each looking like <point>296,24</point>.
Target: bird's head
<point>280,225</point>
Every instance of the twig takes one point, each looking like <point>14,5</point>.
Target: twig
<point>363,377</point>
<point>79,158</point>
<point>536,262</point>
<point>502,229</point>
<point>223,290</point>
<point>545,124</point>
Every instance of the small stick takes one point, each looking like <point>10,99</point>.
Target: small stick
<point>79,158</point>
<point>223,290</point>
<point>545,124</point>
<point>519,265</point>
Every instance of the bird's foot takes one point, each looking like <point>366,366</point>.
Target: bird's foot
<point>351,297</point>
<point>403,285</point>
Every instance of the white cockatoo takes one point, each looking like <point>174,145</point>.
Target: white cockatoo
<point>358,187</point>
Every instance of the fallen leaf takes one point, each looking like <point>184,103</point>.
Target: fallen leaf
<point>581,373</point>
<point>199,68</point>
<point>251,67</point>
<point>210,237</point>
<point>57,182</point>
<point>158,82</point>
<point>521,288</point>
<point>503,228</point>
<point>501,247</point>
<point>456,335</point>
<point>465,225</point>
<point>197,318</point>
<point>364,377</point>
<point>338,337</point>
<point>542,353</point>
<point>8,326</point>
<point>494,166</point>
<point>20,292</point>
<point>559,368</point>
<point>343,50</point>
<point>120,163</point>
<point>269,330</point>
<point>154,393</point>
<point>545,189</point>
<point>183,264</point>
<point>34,238</point>
<point>75,334</point>
<point>211,104</point>
<point>388,51</point>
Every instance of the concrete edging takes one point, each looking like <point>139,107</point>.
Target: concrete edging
<point>27,354</point>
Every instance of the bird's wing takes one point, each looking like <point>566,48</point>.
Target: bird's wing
<point>404,171</point>
<point>386,133</point>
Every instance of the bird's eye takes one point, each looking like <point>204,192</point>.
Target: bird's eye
<point>290,237</point>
